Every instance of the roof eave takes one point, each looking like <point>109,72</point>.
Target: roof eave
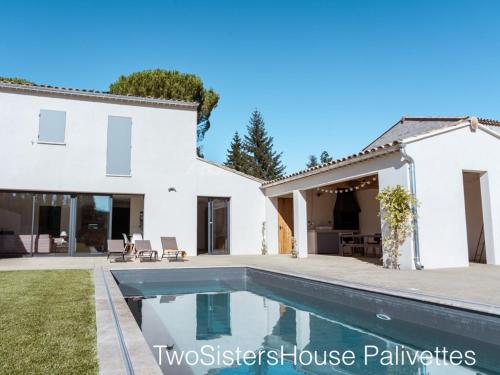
<point>96,95</point>
<point>339,163</point>
<point>229,169</point>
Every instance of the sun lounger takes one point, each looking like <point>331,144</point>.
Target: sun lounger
<point>144,250</point>
<point>117,249</point>
<point>170,249</point>
<point>125,239</point>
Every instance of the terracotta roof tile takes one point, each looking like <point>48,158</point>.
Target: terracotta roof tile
<point>96,94</point>
<point>406,127</point>
<point>350,159</point>
<point>487,121</point>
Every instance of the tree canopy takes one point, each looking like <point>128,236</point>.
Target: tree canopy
<point>16,80</point>
<point>237,158</point>
<point>312,162</point>
<point>264,162</point>
<point>170,84</point>
<point>323,158</point>
<point>255,155</point>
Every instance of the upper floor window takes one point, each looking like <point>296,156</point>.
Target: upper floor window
<point>51,126</point>
<point>119,146</point>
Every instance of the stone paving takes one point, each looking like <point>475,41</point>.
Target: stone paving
<point>478,284</point>
<point>475,288</point>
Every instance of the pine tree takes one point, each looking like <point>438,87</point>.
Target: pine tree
<point>264,162</point>
<point>325,157</point>
<point>312,162</point>
<point>237,158</point>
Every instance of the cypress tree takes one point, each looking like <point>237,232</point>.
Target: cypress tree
<point>264,162</point>
<point>236,155</point>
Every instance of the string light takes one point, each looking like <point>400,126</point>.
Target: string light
<point>351,188</point>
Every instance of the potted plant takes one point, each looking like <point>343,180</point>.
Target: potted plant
<point>263,248</point>
<point>295,252</point>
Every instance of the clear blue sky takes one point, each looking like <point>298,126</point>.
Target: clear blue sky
<point>327,75</point>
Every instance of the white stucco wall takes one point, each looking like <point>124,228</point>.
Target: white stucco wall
<point>163,155</point>
<point>136,206</point>
<point>272,225</point>
<point>247,206</point>
<point>440,161</point>
<point>391,171</point>
<point>320,209</point>
<point>369,219</point>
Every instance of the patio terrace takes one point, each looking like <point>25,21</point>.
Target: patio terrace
<point>475,287</point>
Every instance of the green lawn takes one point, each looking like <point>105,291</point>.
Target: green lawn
<point>47,322</point>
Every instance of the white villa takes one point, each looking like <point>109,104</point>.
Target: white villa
<point>87,166</point>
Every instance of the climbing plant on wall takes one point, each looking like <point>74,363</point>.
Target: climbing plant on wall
<point>397,209</point>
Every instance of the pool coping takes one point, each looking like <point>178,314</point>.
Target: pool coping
<point>121,346</point>
<point>142,359</point>
<point>477,307</point>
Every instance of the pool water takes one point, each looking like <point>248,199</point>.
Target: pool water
<point>270,316</point>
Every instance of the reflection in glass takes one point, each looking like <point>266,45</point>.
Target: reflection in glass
<point>15,223</point>
<point>213,315</point>
<point>220,225</point>
<point>213,226</point>
<point>51,223</point>
<point>92,223</point>
<point>135,306</point>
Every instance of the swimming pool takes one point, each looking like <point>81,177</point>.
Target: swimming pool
<point>240,320</point>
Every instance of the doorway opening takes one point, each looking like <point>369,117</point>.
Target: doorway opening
<point>474,217</point>
<point>120,218</point>
<point>49,220</point>
<point>285,225</point>
<point>127,216</point>
<point>213,226</point>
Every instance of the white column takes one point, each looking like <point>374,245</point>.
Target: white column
<point>492,253</point>
<point>272,225</point>
<point>303,329</point>
<point>392,177</point>
<point>136,206</point>
<point>300,222</point>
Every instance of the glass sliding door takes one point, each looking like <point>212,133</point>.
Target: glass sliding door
<point>93,223</point>
<point>218,225</point>
<point>51,223</point>
<point>34,223</point>
<point>16,224</point>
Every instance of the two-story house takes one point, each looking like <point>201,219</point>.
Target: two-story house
<point>85,166</point>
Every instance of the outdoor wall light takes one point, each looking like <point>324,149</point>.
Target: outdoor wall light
<point>170,189</point>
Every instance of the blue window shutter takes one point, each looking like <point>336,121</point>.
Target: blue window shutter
<point>119,145</point>
<point>52,126</point>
